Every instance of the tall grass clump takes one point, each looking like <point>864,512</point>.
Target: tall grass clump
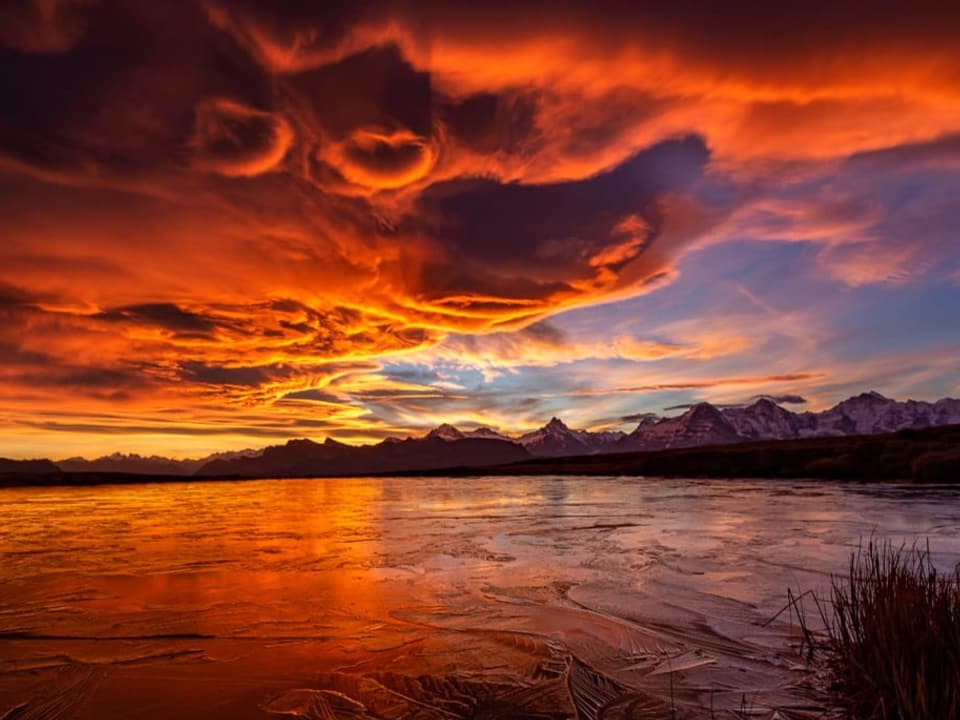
<point>892,640</point>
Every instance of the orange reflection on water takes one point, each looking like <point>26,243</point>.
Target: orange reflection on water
<point>419,598</point>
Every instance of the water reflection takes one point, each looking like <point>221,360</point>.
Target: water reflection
<point>423,598</point>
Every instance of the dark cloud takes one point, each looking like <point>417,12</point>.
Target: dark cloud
<point>556,225</point>
<point>418,374</point>
<point>12,354</point>
<point>639,417</point>
<point>492,122</point>
<point>49,375</point>
<point>96,378</point>
<point>236,140</point>
<point>783,399</point>
<point>120,101</point>
<point>165,315</point>
<point>203,373</point>
<point>543,332</point>
<point>12,298</point>
<point>778,399</point>
<point>735,35</point>
<point>314,395</point>
<point>41,26</point>
<point>687,406</point>
<point>263,375</point>
<point>374,88</point>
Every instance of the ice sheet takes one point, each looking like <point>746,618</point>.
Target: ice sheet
<point>429,598</point>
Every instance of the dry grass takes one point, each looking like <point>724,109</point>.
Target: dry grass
<point>892,638</point>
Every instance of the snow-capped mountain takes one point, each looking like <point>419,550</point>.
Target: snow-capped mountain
<point>448,446</point>
<point>871,412</point>
<point>485,433</point>
<point>763,419</point>
<point>449,432</point>
<point>865,414</point>
<point>604,438</point>
<point>705,424</point>
<point>446,432</point>
<point>555,439</point>
<point>702,424</point>
<point>945,412</point>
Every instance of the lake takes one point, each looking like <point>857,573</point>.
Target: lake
<point>429,598</point>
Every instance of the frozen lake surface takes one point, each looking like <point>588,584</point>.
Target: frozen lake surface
<point>427,598</point>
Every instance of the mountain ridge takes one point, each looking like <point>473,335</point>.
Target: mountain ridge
<point>868,413</point>
<point>447,446</point>
<point>146,464</point>
<point>306,458</point>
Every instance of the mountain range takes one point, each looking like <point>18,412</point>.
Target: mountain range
<point>302,458</point>
<point>147,464</point>
<point>705,424</point>
<point>447,446</point>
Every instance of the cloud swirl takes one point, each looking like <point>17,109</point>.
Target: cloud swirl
<point>216,207</point>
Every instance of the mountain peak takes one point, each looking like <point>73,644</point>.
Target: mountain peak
<point>872,395</point>
<point>702,424</point>
<point>445,431</point>
<point>763,406</point>
<point>864,402</point>
<point>301,443</point>
<point>702,409</point>
<point>556,439</point>
<point>762,419</point>
<point>485,433</point>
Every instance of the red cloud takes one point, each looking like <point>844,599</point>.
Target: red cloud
<point>210,192</point>
<point>238,141</point>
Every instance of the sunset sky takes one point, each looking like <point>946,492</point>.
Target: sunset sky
<point>226,224</point>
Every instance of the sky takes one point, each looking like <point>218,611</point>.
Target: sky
<point>227,224</point>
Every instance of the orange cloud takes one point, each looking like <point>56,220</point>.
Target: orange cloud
<point>238,141</point>
<point>220,204</point>
<point>382,160</point>
<point>634,77</point>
